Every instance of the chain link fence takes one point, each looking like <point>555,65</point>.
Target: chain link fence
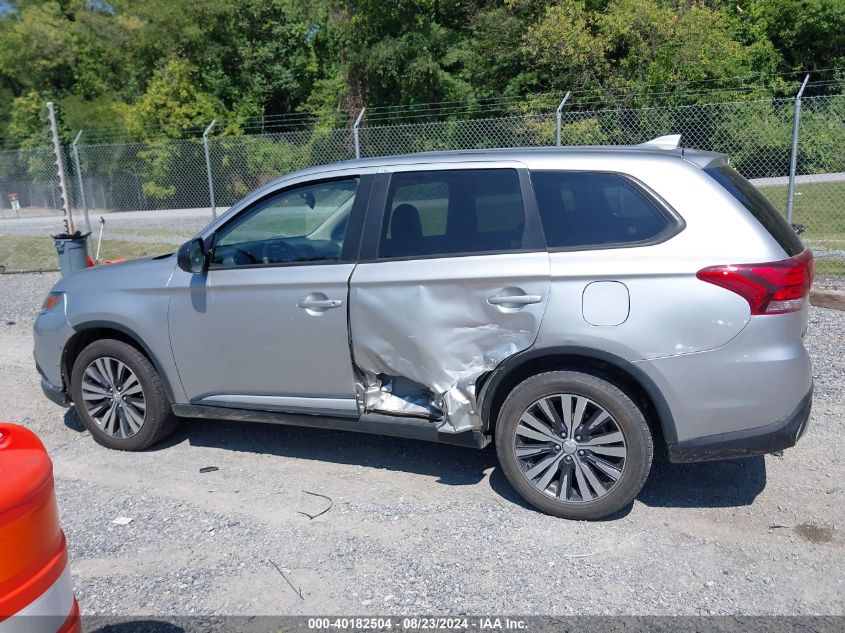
<point>153,196</point>
<point>531,130</point>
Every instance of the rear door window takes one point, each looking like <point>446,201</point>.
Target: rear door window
<point>590,209</point>
<point>759,206</point>
<point>452,212</point>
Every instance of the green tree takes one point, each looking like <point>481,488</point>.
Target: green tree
<point>172,104</point>
<point>159,68</point>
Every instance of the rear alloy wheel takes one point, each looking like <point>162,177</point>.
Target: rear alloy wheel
<point>119,396</point>
<point>573,444</point>
<point>570,448</point>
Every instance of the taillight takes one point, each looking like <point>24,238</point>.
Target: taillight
<point>769,288</point>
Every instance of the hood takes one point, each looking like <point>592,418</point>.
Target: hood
<point>147,272</point>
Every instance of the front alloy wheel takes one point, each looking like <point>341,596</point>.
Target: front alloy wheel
<point>113,397</point>
<point>119,396</point>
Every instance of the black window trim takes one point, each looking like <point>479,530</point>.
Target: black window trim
<point>351,242</point>
<point>674,222</point>
<point>533,240</point>
<point>784,235</point>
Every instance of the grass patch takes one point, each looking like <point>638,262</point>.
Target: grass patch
<point>18,253</point>
<point>820,207</point>
<point>829,266</point>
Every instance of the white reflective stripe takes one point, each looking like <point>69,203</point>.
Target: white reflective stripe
<point>47,613</point>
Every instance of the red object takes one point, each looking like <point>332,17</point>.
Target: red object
<point>33,575</point>
<point>90,262</point>
<point>771,287</point>
<point>73,624</point>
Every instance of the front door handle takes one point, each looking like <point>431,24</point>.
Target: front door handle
<point>318,305</point>
<point>513,301</point>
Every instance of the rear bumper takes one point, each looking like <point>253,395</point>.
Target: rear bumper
<point>757,441</point>
<point>746,385</point>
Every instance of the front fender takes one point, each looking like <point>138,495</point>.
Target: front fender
<point>131,298</point>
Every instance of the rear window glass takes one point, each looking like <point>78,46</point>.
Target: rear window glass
<point>584,209</point>
<point>759,206</point>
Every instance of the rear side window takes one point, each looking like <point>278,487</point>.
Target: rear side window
<point>452,212</point>
<point>759,206</point>
<point>587,209</point>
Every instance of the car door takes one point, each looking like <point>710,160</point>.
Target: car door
<point>266,326</point>
<point>453,279</point>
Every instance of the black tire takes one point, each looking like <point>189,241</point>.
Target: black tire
<point>158,420</point>
<point>626,417</point>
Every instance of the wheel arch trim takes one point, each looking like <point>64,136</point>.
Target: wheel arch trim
<point>498,376</point>
<point>87,326</point>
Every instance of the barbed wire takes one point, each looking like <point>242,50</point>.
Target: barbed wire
<point>513,105</point>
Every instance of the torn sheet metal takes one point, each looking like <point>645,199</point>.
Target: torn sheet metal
<point>431,322</point>
<point>393,395</point>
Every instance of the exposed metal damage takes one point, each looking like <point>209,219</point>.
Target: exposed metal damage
<point>423,358</point>
<point>395,395</point>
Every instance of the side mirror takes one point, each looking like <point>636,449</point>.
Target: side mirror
<point>192,257</point>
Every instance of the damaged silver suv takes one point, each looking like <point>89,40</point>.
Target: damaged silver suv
<point>578,306</point>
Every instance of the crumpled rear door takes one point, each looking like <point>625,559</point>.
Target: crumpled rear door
<point>425,329</point>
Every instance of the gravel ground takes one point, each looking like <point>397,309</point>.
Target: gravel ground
<point>421,528</point>
<point>828,283</point>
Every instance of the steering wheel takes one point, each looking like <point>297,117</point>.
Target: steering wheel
<point>278,251</point>
<point>240,255</point>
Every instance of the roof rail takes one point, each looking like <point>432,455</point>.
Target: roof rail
<point>670,141</point>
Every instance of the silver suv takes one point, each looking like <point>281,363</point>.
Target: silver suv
<point>576,305</point>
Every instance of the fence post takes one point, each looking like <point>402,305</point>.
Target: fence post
<point>60,165</point>
<point>559,117</point>
<point>355,132</point>
<point>208,169</point>
<point>793,159</point>
<point>79,180</point>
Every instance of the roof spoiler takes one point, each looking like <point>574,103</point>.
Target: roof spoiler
<point>670,141</point>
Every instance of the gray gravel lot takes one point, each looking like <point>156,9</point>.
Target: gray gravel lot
<point>417,527</point>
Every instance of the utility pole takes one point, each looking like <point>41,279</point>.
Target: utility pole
<point>793,159</point>
<point>60,164</point>
<point>78,165</point>
<point>559,118</point>
<point>208,168</point>
<point>356,127</point>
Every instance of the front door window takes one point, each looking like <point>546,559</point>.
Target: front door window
<point>300,224</point>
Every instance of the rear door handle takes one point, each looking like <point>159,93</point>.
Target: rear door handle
<point>510,301</point>
<point>320,304</point>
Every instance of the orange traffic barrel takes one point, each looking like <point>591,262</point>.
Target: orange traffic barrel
<point>35,588</point>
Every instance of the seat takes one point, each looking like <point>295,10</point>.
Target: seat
<point>405,232</point>
<point>405,223</point>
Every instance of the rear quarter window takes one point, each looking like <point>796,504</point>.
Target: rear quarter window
<point>759,206</point>
<point>591,209</point>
